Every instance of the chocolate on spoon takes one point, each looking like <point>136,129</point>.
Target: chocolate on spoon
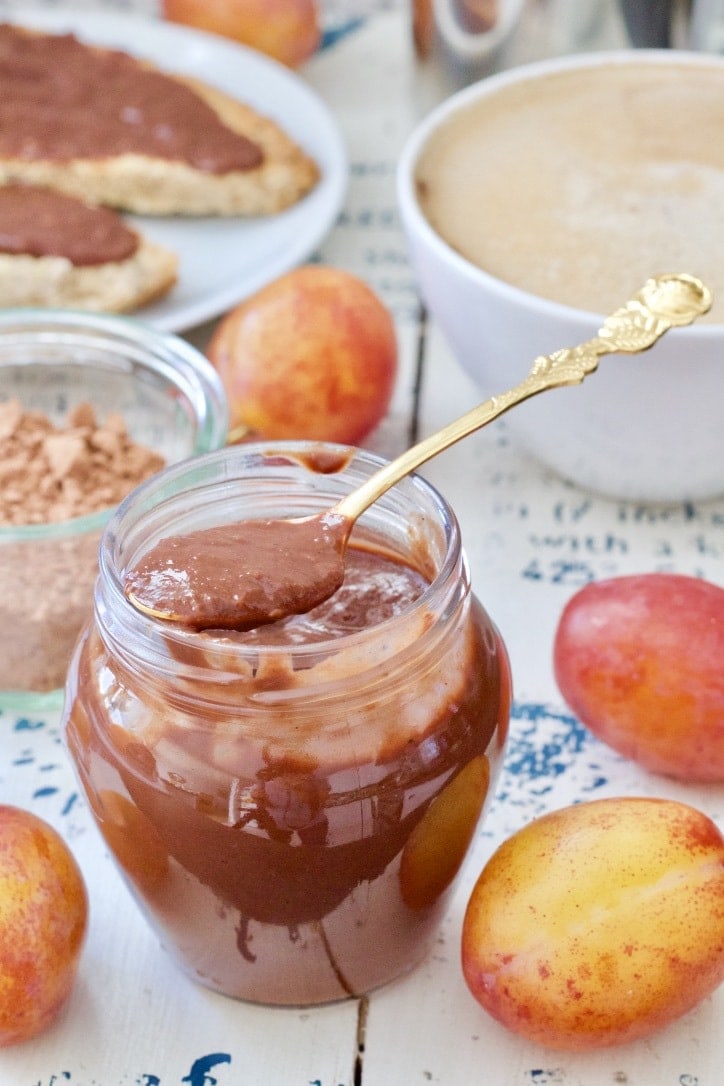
<point>239,576</point>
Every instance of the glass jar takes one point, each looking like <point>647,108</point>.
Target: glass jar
<point>171,401</point>
<point>291,813</point>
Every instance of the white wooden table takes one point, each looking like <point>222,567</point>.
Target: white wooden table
<point>532,540</point>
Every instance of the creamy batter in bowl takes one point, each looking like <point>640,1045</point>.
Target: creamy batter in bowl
<point>542,198</point>
<point>292,806</point>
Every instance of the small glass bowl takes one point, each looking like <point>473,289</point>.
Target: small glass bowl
<point>171,401</point>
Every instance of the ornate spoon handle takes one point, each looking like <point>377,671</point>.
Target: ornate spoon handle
<point>664,302</point>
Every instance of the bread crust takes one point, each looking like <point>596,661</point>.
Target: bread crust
<point>146,185</point>
<point>114,287</point>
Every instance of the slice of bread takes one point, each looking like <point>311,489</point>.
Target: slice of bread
<point>119,287</point>
<point>136,180</point>
<point>57,251</point>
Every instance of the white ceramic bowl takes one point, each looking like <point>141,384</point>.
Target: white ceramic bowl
<point>645,427</point>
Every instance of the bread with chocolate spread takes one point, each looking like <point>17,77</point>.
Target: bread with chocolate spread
<point>99,124</point>
<point>58,252</point>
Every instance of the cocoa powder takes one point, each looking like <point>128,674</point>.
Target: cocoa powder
<point>49,475</point>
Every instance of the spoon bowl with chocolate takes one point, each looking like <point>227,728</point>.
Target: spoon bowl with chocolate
<point>240,576</point>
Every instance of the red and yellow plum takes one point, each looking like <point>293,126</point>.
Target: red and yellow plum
<point>640,661</point>
<point>313,355</point>
<point>599,923</point>
<point>43,920</point>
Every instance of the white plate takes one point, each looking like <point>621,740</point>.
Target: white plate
<point>223,261</point>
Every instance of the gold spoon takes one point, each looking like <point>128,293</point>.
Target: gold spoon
<point>239,576</point>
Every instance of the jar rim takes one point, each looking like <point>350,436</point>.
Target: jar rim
<point>228,466</point>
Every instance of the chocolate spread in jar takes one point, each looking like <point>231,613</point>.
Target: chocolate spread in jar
<point>36,221</point>
<point>241,575</point>
<point>267,838</point>
<point>376,587</point>
<point>245,574</point>
<point>61,99</point>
